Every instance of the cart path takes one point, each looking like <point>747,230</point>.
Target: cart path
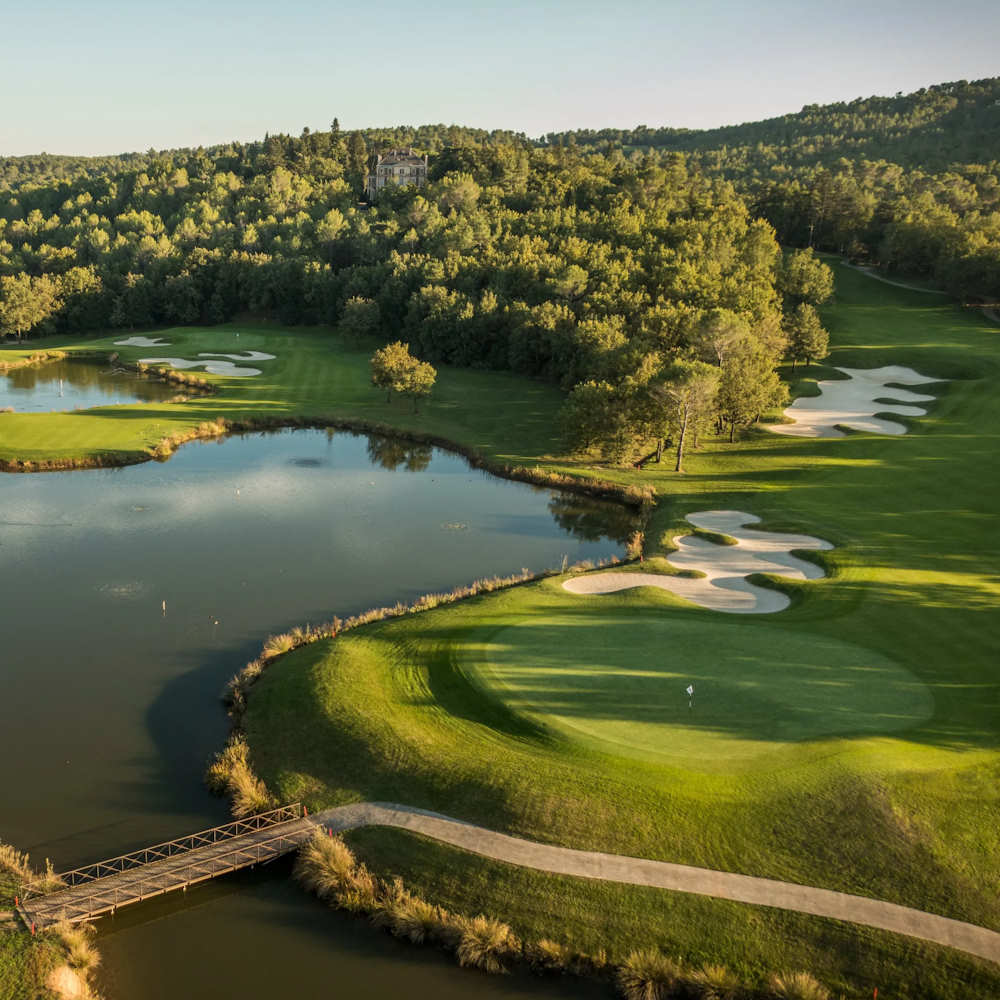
<point>979,941</point>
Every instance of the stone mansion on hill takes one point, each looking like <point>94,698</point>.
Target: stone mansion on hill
<point>396,166</point>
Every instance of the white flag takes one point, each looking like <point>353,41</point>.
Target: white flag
<point>690,690</point>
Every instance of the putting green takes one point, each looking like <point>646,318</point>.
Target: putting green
<point>622,682</point>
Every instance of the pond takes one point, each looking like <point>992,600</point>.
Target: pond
<point>131,595</point>
<point>76,385</point>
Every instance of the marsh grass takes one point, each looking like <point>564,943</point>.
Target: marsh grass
<point>797,986</point>
<point>715,982</point>
<point>15,862</point>
<point>649,975</point>
<point>77,939</point>
<point>16,868</point>
<point>487,944</point>
<point>231,773</point>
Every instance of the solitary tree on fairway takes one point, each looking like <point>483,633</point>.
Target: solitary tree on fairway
<point>394,369</point>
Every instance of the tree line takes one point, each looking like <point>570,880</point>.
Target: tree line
<point>635,274</point>
<point>909,183</point>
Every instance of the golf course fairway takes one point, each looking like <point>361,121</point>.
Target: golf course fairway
<point>850,741</point>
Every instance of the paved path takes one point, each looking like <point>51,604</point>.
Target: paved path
<point>897,284</point>
<point>663,875</point>
<point>991,314</point>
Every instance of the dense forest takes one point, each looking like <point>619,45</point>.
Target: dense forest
<point>909,183</point>
<point>640,269</point>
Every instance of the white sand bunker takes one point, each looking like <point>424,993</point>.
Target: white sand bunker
<point>245,356</point>
<point>142,342</point>
<point>852,403</point>
<point>724,586</point>
<point>216,367</point>
<point>212,367</point>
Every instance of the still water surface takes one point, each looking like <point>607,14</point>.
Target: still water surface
<point>76,385</point>
<point>131,595</point>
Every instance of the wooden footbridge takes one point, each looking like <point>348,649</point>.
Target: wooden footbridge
<point>130,878</point>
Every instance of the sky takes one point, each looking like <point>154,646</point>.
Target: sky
<point>109,76</point>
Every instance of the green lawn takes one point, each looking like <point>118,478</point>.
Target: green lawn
<point>755,689</point>
<point>314,375</point>
<point>516,709</point>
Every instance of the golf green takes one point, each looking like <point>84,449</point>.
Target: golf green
<point>622,682</point>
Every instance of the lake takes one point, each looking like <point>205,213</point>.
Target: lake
<point>131,595</point>
<point>77,385</point>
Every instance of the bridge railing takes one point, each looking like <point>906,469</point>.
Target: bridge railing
<point>77,906</point>
<point>168,849</point>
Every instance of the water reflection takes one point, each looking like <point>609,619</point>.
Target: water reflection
<point>74,384</point>
<point>139,591</point>
<point>391,453</point>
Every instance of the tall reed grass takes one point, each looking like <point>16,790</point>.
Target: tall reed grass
<point>797,986</point>
<point>230,773</point>
<point>17,865</point>
<point>650,975</point>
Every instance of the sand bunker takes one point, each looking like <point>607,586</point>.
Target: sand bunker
<point>852,403</point>
<point>212,367</point>
<point>724,586</point>
<point>215,367</point>
<point>142,342</point>
<point>245,356</point>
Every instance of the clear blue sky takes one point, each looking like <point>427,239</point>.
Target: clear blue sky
<point>103,76</point>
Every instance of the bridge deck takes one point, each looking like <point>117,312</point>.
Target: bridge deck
<point>106,893</point>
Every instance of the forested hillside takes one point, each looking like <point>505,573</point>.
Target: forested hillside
<point>548,262</point>
<point>910,183</point>
<point>624,264</point>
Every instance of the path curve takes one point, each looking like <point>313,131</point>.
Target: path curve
<point>896,284</point>
<point>979,941</point>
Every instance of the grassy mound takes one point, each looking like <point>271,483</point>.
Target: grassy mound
<point>755,689</point>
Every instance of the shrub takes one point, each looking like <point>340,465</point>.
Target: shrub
<point>486,944</point>
<point>798,986</point>
<point>649,975</point>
